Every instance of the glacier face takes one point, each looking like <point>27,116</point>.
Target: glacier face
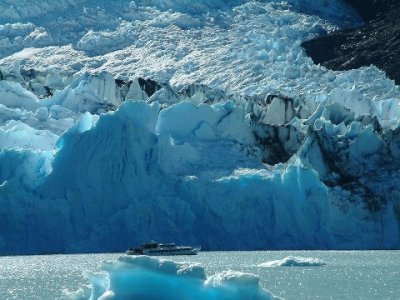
<point>195,123</point>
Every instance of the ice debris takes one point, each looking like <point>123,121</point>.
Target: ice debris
<point>294,261</point>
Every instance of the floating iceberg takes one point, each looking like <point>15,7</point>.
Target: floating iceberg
<point>294,261</point>
<point>144,277</point>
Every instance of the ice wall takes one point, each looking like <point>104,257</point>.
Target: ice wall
<point>194,173</point>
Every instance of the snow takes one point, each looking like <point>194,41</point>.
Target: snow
<point>294,261</point>
<point>131,277</point>
<point>207,118</point>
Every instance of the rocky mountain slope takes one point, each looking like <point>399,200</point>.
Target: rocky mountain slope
<point>377,42</point>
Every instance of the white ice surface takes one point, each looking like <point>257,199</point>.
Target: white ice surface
<point>251,48</point>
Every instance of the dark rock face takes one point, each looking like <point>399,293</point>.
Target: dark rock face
<point>370,9</point>
<point>377,42</point>
<point>149,86</point>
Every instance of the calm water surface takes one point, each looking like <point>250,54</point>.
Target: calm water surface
<point>347,275</point>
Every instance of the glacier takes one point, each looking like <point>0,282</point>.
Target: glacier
<point>136,277</point>
<point>201,123</point>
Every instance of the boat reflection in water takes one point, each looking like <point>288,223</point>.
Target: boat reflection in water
<point>155,249</point>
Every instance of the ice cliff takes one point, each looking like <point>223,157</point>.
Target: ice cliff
<point>191,123</point>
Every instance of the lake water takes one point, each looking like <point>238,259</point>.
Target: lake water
<point>347,275</point>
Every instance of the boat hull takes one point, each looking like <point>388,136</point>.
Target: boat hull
<point>165,252</point>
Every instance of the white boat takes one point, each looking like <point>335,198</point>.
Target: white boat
<point>155,249</point>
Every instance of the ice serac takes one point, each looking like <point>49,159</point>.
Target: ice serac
<point>136,277</point>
